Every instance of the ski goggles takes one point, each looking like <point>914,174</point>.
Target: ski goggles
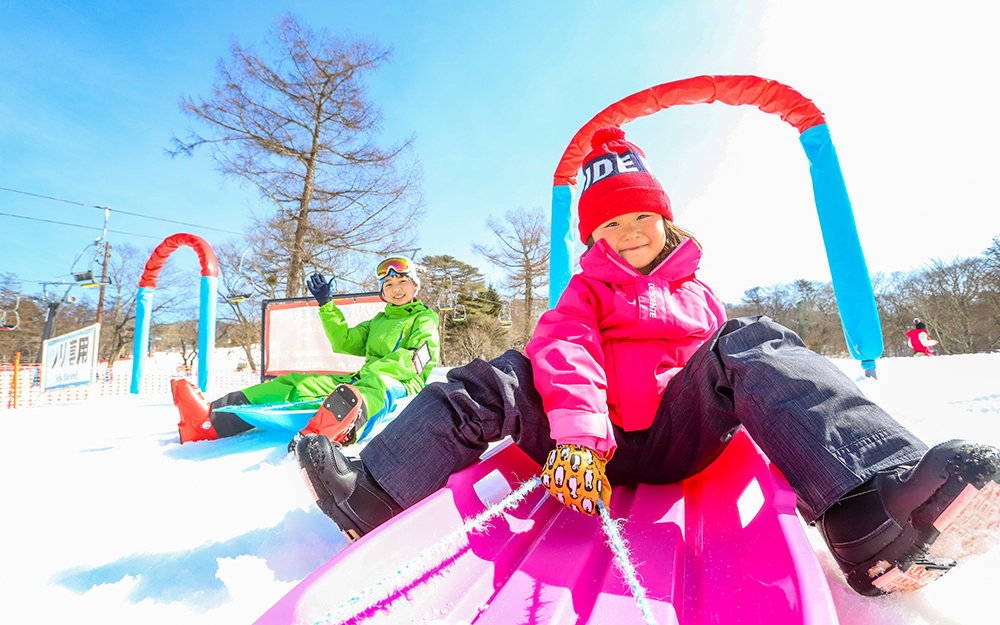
<point>398,264</point>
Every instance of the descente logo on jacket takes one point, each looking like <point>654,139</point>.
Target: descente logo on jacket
<point>651,291</point>
<point>612,164</point>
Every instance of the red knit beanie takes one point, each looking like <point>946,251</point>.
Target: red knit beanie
<point>616,181</point>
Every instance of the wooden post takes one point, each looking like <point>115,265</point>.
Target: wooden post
<point>100,299</point>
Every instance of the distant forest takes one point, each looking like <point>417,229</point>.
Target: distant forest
<point>959,300</point>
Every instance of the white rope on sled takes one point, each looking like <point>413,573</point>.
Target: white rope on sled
<point>612,529</point>
<point>435,554</point>
<point>427,559</point>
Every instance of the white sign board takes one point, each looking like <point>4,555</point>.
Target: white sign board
<point>70,359</point>
<point>294,339</point>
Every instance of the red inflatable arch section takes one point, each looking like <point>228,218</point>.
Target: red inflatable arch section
<point>767,95</point>
<point>206,257</point>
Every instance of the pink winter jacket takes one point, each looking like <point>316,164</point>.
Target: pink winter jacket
<point>605,353</point>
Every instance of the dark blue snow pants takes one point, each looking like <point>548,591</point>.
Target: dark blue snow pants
<point>810,419</point>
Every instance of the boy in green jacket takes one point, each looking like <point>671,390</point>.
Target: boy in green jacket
<point>400,347</point>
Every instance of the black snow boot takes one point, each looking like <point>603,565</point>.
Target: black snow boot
<point>343,488</point>
<point>908,526</point>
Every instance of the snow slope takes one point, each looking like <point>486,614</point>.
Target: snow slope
<point>107,518</point>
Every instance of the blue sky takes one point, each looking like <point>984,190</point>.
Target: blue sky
<point>492,94</point>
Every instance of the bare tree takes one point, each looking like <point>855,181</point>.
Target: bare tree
<point>180,337</point>
<point>482,337</point>
<point>753,301</point>
<point>991,296</point>
<point>776,301</point>
<point>245,282</point>
<point>992,260</point>
<point>24,319</point>
<point>951,302</point>
<point>826,330</point>
<point>809,307</point>
<point>898,298</point>
<point>300,127</point>
<point>523,252</point>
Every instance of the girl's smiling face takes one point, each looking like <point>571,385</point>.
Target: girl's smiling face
<point>398,290</point>
<point>636,237</point>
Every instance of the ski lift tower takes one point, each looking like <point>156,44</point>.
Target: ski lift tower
<point>52,302</point>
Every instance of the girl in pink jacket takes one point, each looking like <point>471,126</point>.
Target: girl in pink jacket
<point>637,376</point>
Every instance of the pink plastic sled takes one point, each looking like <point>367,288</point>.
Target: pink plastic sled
<point>722,547</point>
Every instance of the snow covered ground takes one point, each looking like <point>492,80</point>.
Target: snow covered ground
<point>107,518</point>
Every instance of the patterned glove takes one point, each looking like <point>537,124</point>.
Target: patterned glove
<point>319,288</point>
<point>574,474</point>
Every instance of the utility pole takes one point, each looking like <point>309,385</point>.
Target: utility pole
<point>104,283</point>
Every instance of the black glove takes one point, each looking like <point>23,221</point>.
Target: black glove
<point>320,288</point>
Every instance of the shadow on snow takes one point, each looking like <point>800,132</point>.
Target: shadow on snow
<point>302,542</point>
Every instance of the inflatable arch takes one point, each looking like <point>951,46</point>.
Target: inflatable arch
<point>207,312</point>
<point>851,281</point>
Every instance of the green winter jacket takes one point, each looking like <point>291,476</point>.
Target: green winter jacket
<point>388,341</point>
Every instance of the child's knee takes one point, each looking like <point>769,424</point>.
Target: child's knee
<point>745,333</point>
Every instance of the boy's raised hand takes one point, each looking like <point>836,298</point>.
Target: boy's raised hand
<point>574,474</point>
<point>319,288</point>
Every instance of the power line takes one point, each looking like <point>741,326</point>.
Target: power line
<point>50,198</point>
<point>170,221</point>
<point>63,223</point>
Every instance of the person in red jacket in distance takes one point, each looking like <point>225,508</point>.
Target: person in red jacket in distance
<point>921,343</point>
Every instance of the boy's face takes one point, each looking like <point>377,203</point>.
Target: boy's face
<point>636,237</point>
<point>398,290</point>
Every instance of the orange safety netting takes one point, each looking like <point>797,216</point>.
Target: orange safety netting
<point>107,382</point>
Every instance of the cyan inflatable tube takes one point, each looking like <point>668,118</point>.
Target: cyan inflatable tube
<point>851,282</point>
<point>206,328</point>
<point>561,245</point>
<point>140,343</point>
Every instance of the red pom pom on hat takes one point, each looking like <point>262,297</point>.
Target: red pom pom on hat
<point>605,134</point>
<point>617,181</point>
